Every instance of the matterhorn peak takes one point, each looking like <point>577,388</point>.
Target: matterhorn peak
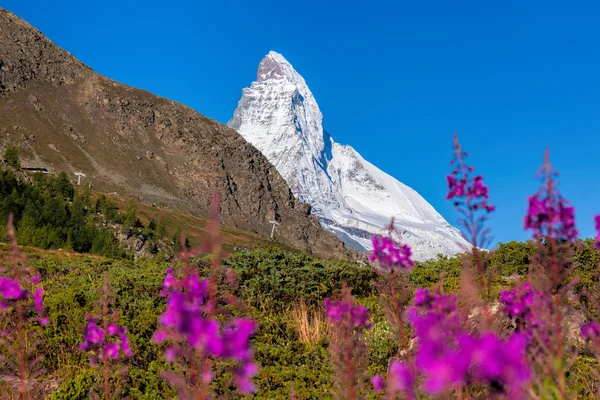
<point>351,197</point>
<point>275,66</point>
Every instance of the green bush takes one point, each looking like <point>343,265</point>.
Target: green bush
<point>75,389</point>
<point>428,273</point>
<point>512,258</point>
<point>275,278</point>
<point>11,157</point>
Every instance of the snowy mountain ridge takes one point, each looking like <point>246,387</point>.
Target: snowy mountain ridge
<point>352,198</point>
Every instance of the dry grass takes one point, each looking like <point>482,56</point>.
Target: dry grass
<point>310,323</point>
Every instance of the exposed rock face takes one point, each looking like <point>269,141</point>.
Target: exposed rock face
<point>65,117</point>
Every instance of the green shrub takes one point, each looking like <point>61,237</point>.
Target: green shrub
<point>275,279</point>
<point>75,389</point>
<point>11,157</point>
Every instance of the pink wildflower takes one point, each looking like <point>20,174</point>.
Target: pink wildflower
<point>549,215</point>
<point>391,257</point>
<point>186,321</point>
<point>109,343</point>
<point>470,197</point>
<point>344,311</point>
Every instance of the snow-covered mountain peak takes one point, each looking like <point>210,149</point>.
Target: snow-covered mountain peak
<point>275,66</point>
<point>279,115</point>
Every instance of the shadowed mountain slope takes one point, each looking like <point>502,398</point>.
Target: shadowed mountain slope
<point>65,117</point>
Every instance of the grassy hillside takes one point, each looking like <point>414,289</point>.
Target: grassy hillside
<point>282,291</point>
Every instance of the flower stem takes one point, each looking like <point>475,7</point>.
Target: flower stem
<point>21,350</point>
<point>349,366</point>
<point>106,359</point>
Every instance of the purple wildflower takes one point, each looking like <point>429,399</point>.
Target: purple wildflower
<point>591,331</point>
<point>243,377</point>
<point>422,296</point>
<point>37,299</point>
<point>109,343</point>
<point>497,363</point>
<point>400,379</point>
<point>168,283</point>
<point>186,322</point>
<point>10,289</point>
<point>93,335</point>
<point>553,217</point>
<point>548,213</point>
<point>466,189</point>
<point>443,306</point>
<point>391,257</point>
<point>450,357</point>
<point>436,322</point>
<point>470,197</point>
<point>525,305</point>
<point>378,383</point>
<point>184,314</point>
<point>456,188</point>
<point>443,365</point>
<point>518,301</point>
<point>236,346</point>
<point>344,311</point>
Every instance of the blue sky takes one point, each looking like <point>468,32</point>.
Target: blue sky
<point>394,79</point>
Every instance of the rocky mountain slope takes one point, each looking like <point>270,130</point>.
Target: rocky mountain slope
<point>65,117</point>
<point>352,198</point>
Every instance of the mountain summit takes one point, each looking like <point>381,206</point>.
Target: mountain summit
<point>352,198</point>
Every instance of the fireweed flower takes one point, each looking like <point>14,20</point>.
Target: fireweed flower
<point>378,383</point>
<point>471,188</point>
<point>344,311</point>
<point>347,345</point>
<point>11,292</point>
<point>21,305</point>
<point>236,346</point>
<point>449,356</point>
<point>526,305</point>
<point>591,332</point>
<point>109,343</point>
<point>10,289</point>
<point>470,197</point>
<point>168,283</point>
<point>436,322</point>
<point>186,322</point>
<point>431,307</point>
<point>495,362</point>
<point>400,380</point>
<point>520,303</point>
<point>549,215</point>
<point>391,257</point>
<point>244,375</point>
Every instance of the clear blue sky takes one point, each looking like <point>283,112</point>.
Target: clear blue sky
<point>394,79</point>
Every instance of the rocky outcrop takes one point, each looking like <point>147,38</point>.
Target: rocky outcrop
<point>65,117</point>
